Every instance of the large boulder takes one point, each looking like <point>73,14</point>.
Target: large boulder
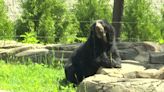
<point>144,46</point>
<point>104,83</point>
<point>157,58</point>
<point>139,51</point>
<point>132,77</point>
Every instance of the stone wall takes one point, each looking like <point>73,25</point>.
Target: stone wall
<point>12,50</point>
<point>144,52</point>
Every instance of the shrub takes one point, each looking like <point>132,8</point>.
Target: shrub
<point>71,27</point>
<point>142,22</point>
<point>162,21</point>
<point>88,10</point>
<point>161,41</point>
<point>48,18</point>
<point>30,37</point>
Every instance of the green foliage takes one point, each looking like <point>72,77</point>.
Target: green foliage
<point>6,26</point>
<point>88,10</point>
<point>30,37</point>
<point>48,18</point>
<point>81,39</point>
<point>161,41</point>
<point>71,27</point>
<point>162,21</point>
<point>32,78</point>
<point>142,21</point>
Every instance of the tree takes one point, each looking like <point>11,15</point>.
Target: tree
<point>142,23</point>
<point>89,10</point>
<point>49,19</point>
<point>6,26</point>
<point>117,16</point>
<point>162,21</point>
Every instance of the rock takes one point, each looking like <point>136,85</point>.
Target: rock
<point>102,83</point>
<point>153,66</point>
<point>127,66</point>
<point>35,55</point>
<point>68,47</point>
<point>150,73</point>
<point>162,46</point>
<point>145,46</point>
<point>157,58</point>
<point>150,46</point>
<point>124,45</point>
<point>32,52</point>
<point>138,51</point>
<point>143,57</point>
<point>36,52</point>
<point>5,44</point>
<point>43,55</point>
<point>19,49</point>
<point>160,73</point>
<point>128,54</point>
<point>132,77</point>
<point>62,53</point>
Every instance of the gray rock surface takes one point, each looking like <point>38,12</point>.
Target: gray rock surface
<point>138,51</point>
<point>128,51</point>
<point>103,83</point>
<point>157,58</point>
<point>66,47</point>
<point>140,46</point>
<point>162,46</point>
<point>132,77</point>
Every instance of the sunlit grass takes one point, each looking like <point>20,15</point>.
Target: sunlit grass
<point>32,78</point>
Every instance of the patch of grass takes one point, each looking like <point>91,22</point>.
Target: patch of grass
<point>32,78</point>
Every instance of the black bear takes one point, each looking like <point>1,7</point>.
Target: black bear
<point>98,51</point>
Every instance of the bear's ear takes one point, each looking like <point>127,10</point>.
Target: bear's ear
<point>100,32</point>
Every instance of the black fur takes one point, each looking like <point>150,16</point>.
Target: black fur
<point>94,53</point>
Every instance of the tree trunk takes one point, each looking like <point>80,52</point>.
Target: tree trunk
<point>117,16</point>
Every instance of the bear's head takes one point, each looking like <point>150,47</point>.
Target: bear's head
<point>102,30</point>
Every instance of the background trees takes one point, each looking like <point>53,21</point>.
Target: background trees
<point>51,21</point>
<point>87,11</point>
<point>6,26</point>
<point>162,22</point>
<point>141,22</point>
